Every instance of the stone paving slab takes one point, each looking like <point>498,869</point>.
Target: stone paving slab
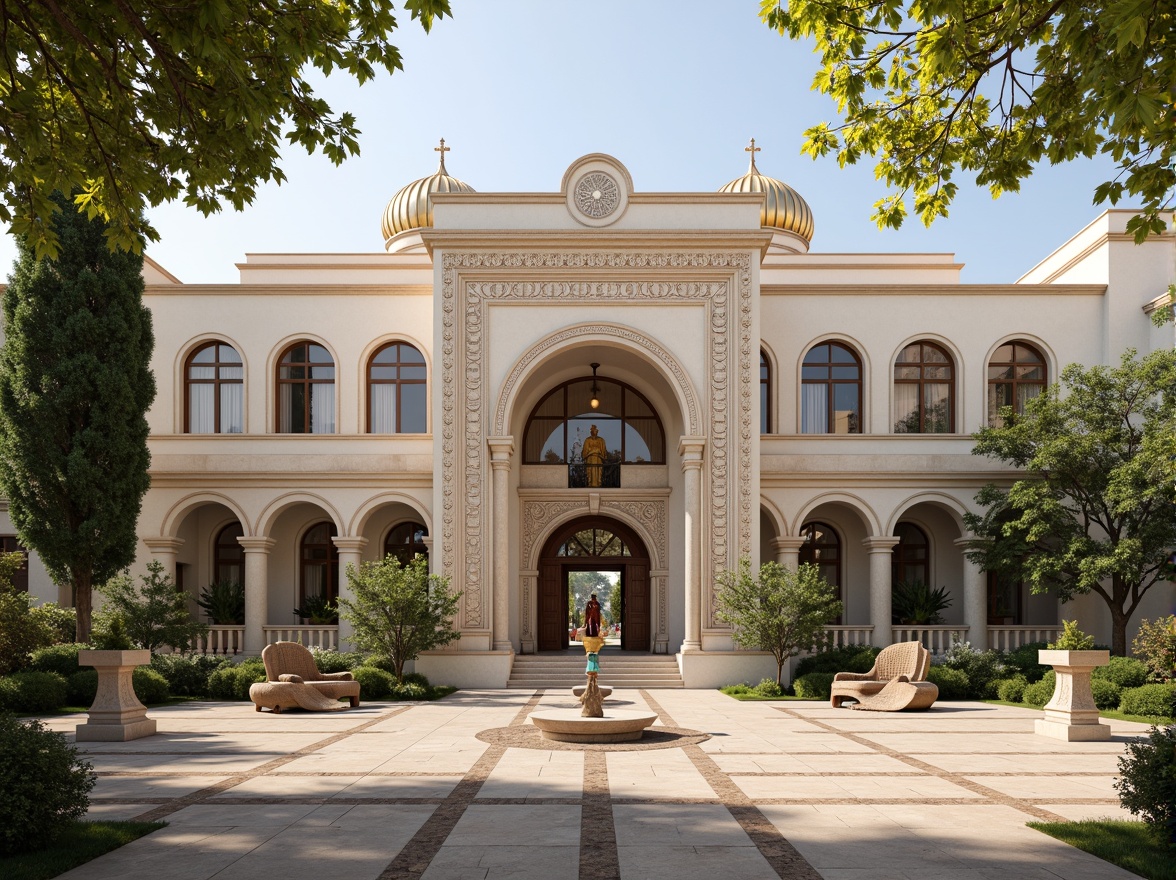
<point>746,790</point>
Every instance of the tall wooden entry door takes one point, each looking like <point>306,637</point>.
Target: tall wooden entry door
<point>594,542</point>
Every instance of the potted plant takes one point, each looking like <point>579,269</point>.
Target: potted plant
<point>224,603</point>
<point>116,715</point>
<point>318,610</point>
<point>1070,714</point>
<point>914,603</point>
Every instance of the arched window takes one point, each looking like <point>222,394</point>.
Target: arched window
<point>765,394</point>
<point>320,567</point>
<point>594,542</point>
<point>559,425</point>
<point>397,391</point>
<point>228,564</point>
<point>911,556</point>
<point>831,390</point>
<point>214,387</point>
<point>822,548</point>
<point>306,390</point>
<point>20,577</point>
<point>924,382</point>
<point>1004,600</point>
<point>1016,374</point>
<point>405,541</point>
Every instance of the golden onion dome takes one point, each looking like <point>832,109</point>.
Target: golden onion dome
<point>410,208</point>
<point>783,207</point>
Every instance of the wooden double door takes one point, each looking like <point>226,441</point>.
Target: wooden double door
<point>593,544</point>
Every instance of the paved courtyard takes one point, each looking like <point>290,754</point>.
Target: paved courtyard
<point>464,788</point>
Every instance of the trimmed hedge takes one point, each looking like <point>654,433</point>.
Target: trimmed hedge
<point>62,659</point>
<point>1011,690</point>
<point>32,692</point>
<point>187,674</point>
<point>852,658</point>
<point>374,683</point>
<point>1024,661</point>
<point>232,682</point>
<point>1038,693</point>
<point>149,685</point>
<point>1151,699</point>
<point>1126,672</point>
<point>814,685</point>
<point>952,683</point>
<point>1106,693</point>
<point>337,661</point>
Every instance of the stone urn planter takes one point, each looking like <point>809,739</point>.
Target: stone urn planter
<point>1070,714</point>
<point>117,715</point>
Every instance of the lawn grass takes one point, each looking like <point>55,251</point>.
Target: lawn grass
<point>1130,845</point>
<point>79,843</point>
<point>1110,714</point>
<point>756,698</point>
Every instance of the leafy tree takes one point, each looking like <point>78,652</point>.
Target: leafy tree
<point>399,611</point>
<point>134,104</point>
<point>581,585</point>
<point>993,88</point>
<point>22,631</point>
<point>75,383</point>
<point>783,612</point>
<point>154,614</point>
<point>1096,510</point>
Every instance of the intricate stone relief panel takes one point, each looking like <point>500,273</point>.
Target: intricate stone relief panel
<point>463,416</point>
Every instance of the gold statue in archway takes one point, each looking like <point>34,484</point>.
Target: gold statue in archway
<point>594,454</point>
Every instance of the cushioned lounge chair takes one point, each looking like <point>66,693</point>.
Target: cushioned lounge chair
<point>294,680</point>
<point>905,663</point>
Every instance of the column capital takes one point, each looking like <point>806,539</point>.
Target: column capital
<point>788,542</point>
<point>880,543</point>
<point>969,541</point>
<point>350,542</point>
<point>501,449</point>
<point>163,544</point>
<point>254,544</point>
<point>691,449</point>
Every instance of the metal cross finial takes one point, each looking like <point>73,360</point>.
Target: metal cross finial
<point>444,149</point>
<point>753,149</point>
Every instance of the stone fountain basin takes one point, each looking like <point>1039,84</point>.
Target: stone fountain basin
<point>568,725</point>
<point>578,690</point>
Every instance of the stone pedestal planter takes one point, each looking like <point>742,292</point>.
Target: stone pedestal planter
<point>1070,714</point>
<point>117,715</point>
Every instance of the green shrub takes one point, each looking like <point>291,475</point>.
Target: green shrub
<point>62,659</point>
<point>1106,693</point>
<point>336,661</point>
<point>110,633</point>
<point>1156,700</point>
<point>1011,690</point>
<point>62,623</point>
<point>852,658</point>
<point>21,633</point>
<point>415,678</point>
<point>82,686</point>
<point>150,686</point>
<point>374,684</point>
<point>410,691</point>
<point>1039,693</point>
<point>768,688</point>
<point>9,694</point>
<point>731,689</point>
<point>35,692</point>
<point>187,674</point>
<point>1126,672</point>
<point>1147,782</point>
<point>1155,644</point>
<point>224,603</point>
<point>982,668</point>
<point>46,786</point>
<point>813,685</point>
<point>1024,661</point>
<point>1072,638</point>
<point>232,682</point>
<point>953,684</point>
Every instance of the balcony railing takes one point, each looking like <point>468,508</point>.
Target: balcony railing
<point>325,638</point>
<point>844,636</point>
<point>224,640</point>
<point>594,476</point>
<point>936,639</point>
<point>1009,638</point>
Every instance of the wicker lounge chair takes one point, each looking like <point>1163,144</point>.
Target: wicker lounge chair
<point>900,694</point>
<point>294,680</point>
<point>908,660</point>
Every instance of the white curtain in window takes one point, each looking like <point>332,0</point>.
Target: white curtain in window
<point>936,418</point>
<point>906,409</point>
<point>232,412</point>
<point>814,409</point>
<point>322,409</point>
<point>201,412</point>
<point>383,409</point>
<point>285,404</point>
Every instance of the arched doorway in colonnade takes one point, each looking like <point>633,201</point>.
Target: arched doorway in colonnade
<point>594,543</point>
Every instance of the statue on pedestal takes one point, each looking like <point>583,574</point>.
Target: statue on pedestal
<point>594,453</point>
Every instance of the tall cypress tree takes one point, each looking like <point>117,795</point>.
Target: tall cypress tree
<point>75,385</point>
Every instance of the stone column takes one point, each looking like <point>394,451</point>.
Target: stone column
<point>350,550</point>
<point>880,548</point>
<point>690,449</point>
<point>256,591</point>
<point>501,449</point>
<point>166,551</point>
<point>975,597</point>
<point>788,551</point>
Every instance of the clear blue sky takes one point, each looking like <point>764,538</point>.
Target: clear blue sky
<point>521,88</point>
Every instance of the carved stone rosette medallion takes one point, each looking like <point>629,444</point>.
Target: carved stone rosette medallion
<point>472,282</point>
<point>597,195</point>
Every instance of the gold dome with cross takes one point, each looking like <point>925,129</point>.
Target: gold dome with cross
<point>410,208</point>
<point>783,206</point>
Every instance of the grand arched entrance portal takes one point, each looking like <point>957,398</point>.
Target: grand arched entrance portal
<point>594,543</point>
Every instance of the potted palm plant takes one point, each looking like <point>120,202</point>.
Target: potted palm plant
<point>224,603</point>
<point>1070,714</point>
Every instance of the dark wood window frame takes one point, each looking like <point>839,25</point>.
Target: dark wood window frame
<point>924,365</point>
<point>397,365</point>
<point>1015,364</point>
<point>904,558</point>
<point>217,365</point>
<point>808,554</point>
<point>306,381</point>
<point>225,556</point>
<point>403,550</point>
<point>331,569</point>
<point>657,456</point>
<point>830,381</point>
<point>765,393</point>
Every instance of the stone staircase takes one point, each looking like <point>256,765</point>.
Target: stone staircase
<point>617,670</point>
